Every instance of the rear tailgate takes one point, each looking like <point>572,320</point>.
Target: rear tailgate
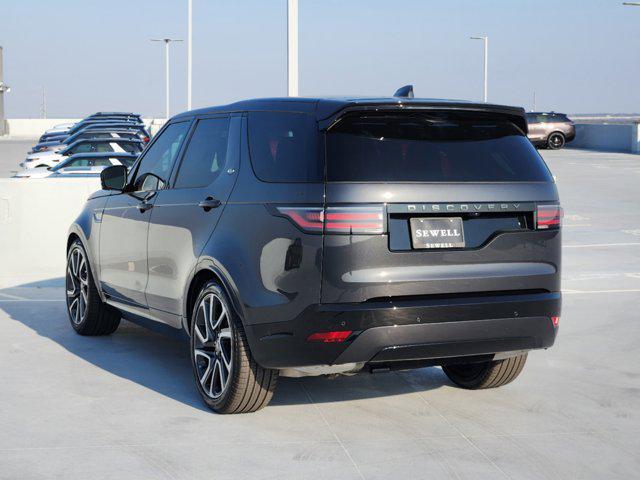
<point>467,226</point>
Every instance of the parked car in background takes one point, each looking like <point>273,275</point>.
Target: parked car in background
<point>427,233</point>
<point>138,127</point>
<point>61,127</point>
<point>115,115</point>
<point>57,145</point>
<point>51,158</point>
<point>91,122</point>
<point>550,129</point>
<point>85,164</point>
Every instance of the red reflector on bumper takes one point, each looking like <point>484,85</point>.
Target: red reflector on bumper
<point>555,321</point>
<point>329,337</point>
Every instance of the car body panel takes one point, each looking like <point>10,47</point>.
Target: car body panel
<point>179,229</point>
<point>123,263</point>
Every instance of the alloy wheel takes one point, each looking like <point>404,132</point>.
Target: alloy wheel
<point>213,345</point>
<point>556,141</point>
<point>77,285</point>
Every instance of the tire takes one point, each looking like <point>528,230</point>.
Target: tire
<point>556,141</point>
<point>87,313</point>
<point>218,345</point>
<point>492,374</point>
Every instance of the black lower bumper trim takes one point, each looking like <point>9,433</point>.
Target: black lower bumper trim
<point>409,330</point>
<point>450,339</point>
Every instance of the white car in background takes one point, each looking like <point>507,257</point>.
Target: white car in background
<point>51,158</point>
<point>82,164</point>
<point>61,127</point>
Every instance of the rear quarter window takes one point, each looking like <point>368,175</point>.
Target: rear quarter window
<point>430,147</point>
<point>284,147</point>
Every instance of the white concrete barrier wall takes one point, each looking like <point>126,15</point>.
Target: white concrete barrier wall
<point>34,127</point>
<point>35,215</point>
<point>607,137</point>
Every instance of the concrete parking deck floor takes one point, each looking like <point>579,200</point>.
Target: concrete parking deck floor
<point>124,406</point>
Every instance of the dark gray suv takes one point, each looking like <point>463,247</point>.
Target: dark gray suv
<point>308,236</point>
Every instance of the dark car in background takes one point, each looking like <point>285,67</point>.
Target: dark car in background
<point>323,236</point>
<point>90,134</point>
<point>550,129</point>
<point>50,158</point>
<point>83,124</point>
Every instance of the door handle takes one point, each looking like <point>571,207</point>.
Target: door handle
<point>209,203</point>
<point>144,206</point>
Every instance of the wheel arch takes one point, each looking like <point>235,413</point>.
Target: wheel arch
<point>206,270</point>
<point>77,233</point>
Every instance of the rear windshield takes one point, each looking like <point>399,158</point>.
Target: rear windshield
<point>430,147</point>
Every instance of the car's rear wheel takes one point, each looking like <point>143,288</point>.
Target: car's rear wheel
<point>227,377</point>
<point>87,313</point>
<point>491,374</point>
<point>556,141</point>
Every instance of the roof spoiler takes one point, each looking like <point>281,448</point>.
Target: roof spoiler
<point>404,92</point>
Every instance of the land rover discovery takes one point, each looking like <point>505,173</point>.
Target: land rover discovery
<point>309,236</point>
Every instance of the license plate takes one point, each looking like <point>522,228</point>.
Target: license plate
<point>437,232</point>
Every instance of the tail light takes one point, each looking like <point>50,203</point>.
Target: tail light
<point>548,217</point>
<point>329,337</point>
<point>555,321</point>
<point>309,219</point>
<point>145,139</point>
<point>363,220</point>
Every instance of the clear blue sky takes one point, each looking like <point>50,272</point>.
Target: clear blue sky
<point>578,55</point>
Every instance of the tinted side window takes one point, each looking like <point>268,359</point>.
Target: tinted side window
<point>79,162</point>
<point>284,147</point>
<point>100,162</point>
<point>129,147</point>
<point>206,154</point>
<point>81,148</point>
<point>104,147</point>
<point>155,167</point>
<point>126,161</point>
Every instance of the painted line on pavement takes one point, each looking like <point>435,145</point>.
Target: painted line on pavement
<point>602,245</point>
<point>589,292</point>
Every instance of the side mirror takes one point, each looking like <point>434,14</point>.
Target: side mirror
<point>114,178</point>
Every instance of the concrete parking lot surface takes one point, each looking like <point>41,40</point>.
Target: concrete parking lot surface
<point>125,406</point>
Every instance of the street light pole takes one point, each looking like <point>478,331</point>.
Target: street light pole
<point>4,88</point>
<point>166,41</point>
<point>486,64</point>
<point>292,48</point>
<point>189,53</point>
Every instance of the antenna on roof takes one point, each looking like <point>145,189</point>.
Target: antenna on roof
<point>405,92</point>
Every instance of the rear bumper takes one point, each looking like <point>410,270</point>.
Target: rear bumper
<point>410,329</point>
